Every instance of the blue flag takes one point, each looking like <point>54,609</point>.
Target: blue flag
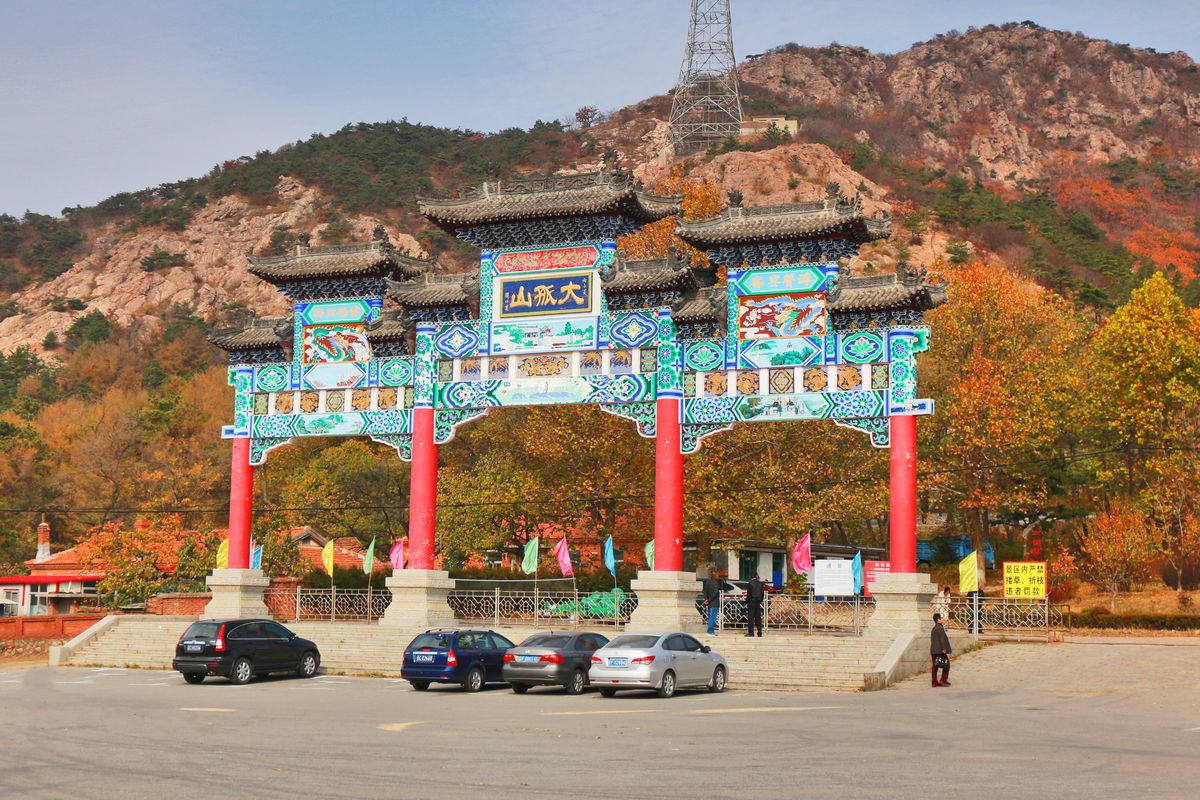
<point>856,567</point>
<point>610,560</point>
<point>256,558</point>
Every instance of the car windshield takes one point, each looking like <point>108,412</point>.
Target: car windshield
<point>202,630</point>
<point>440,641</point>
<point>546,640</point>
<point>634,641</point>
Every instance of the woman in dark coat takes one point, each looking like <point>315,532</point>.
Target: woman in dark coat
<point>939,649</point>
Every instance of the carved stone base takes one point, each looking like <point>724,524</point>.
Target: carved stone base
<point>902,604</point>
<point>666,601</point>
<point>236,593</point>
<point>419,599</point>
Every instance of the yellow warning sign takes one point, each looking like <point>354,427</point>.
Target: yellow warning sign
<point>1025,579</point>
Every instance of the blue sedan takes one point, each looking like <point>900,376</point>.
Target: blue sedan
<point>470,658</point>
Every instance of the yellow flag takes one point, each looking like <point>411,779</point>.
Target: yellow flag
<point>327,557</point>
<point>968,576</point>
<point>223,555</point>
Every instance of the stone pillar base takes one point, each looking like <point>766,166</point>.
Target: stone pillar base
<point>419,599</point>
<point>666,601</point>
<point>902,604</point>
<point>236,593</point>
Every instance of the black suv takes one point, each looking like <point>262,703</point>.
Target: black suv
<point>240,649</point>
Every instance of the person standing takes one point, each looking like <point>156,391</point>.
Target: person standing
<point>939,650</point>
<point>941,603</point>
<point>713,586</point>
<point>755,592</point>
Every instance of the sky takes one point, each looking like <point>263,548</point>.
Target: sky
<point>100,97</point>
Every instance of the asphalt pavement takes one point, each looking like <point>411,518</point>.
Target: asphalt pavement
<point>1092,719</point>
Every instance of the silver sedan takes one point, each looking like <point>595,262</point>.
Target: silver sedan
<point>663,662</point>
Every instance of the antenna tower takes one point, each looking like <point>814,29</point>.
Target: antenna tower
<point>707,107</point>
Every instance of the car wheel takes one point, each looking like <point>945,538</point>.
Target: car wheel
<point>474,681</point>
<point>193,677</point>
<point>577,683</point>
<point>242,671</point>
<point>608,692</point>
<point>667,687</point>
<point>520,688</point>
<point>420,686</point>
<point>308,665</point>
<point>718,681</point>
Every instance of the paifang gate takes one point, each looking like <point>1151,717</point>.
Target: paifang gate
<point>380,345</point>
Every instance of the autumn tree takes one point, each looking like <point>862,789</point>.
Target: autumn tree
<point>701,200</point>
<point>1119,546</point>
<point>1007,364</point>
<point>586,115</point>
<point>1147,381</point>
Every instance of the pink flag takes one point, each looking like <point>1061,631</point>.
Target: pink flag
<point>802,555</point>
<point>563,554</point>
<point>396,556</point>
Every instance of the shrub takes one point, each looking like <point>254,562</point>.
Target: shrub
<point>161,259</point>
<point>1098,617</point>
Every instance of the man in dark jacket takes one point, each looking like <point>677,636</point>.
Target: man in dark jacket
<point>755,593</point>
<point>939,649</point>
<point>713,586</point>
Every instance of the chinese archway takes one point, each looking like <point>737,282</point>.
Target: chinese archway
<point>379,344</point>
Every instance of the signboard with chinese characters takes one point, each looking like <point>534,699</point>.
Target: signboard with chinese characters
<point>543,258</point>
<point>871,570</point>
<point>833,577</point>
<point>545,295</point>
<point>1025,580</point>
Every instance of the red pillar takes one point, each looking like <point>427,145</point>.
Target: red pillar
<point>422,502</point>
<point>241,504</point>
<point>668,489</point>
<point>903,493</point>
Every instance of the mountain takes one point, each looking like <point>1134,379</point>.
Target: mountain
<point>1074,159</point>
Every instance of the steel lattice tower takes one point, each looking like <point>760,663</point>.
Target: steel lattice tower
<point>707,106</point>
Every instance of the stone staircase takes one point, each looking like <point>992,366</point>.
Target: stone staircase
<point>779,661</point>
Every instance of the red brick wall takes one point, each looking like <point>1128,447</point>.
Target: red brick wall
<point>281,597</point>
<point>66,626</point>
<point>178,603</point>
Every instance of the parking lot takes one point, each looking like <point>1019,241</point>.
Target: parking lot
<point>1077,720</point>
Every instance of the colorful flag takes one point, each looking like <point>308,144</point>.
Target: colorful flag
<point>802,555</point>
<point>610,559</point>
<point>563,553</point>
<point>256,556</point>
<point>856,568</point>
<point>650,554</point>
<point>968,576</point>
<point>529,562</point>
<point>396,556</point>
<point>369,558</point>
<point>327,557</point>
<point>223,555</point>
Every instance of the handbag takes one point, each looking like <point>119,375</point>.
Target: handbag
<point>941,661</point>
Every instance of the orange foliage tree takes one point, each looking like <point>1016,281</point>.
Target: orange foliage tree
<point>700,200</point>
<point>1119,546</point>
<point>1007,363</point>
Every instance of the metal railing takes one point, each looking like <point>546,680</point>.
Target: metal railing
<point>332,604</point>
<point>802,613</point>
<point>550,609</point>
<point>988,615</point>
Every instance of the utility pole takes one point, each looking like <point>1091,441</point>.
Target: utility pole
<point>707,107</point>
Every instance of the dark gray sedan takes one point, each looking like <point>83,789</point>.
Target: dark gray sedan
<point>552,658</point>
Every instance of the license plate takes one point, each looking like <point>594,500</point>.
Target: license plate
<point>527,659</point>
<point>423,658</point>
<point>193,648</point>
<point>618,662</point>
